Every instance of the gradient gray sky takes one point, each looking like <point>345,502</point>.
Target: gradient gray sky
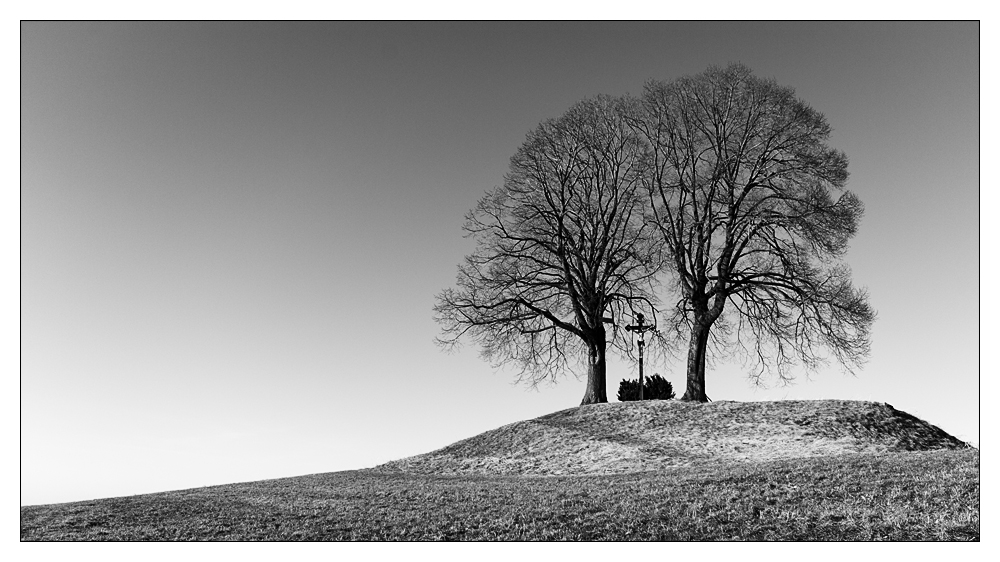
<point>232,233</point>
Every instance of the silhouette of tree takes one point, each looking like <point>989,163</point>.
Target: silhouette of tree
<point>742,186</point>
<point>562,251</point>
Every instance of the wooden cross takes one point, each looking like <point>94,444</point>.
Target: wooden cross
<point>641,328</point>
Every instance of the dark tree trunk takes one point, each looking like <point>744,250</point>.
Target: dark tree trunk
<point>695,391</point>
<point>597,391</point>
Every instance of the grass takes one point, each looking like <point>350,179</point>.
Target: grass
<point>902,496</point>
<point>626,437</point>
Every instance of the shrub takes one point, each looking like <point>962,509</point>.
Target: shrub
<point>654,388</point>
<point>658,388</point>
<point>628,390</point>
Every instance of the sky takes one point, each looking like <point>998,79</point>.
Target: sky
<point>232,234</point>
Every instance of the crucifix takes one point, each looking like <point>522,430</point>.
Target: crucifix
<point>641,328</point>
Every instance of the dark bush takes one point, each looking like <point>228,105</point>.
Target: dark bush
<point>628,390</point>
<point>658,388</point>
<point>654,388</point>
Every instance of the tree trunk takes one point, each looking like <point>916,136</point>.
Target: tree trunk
<point>695,391</point>
<point>597,391</point>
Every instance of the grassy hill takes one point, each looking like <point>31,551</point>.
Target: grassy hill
<point>811,470</point>
<point>624,437</point>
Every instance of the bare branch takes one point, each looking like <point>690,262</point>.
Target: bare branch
<point>741,184</point>
<point>561,248</point>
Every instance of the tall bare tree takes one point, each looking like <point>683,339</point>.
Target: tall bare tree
<point>562,252</point>
<point>750,203</point>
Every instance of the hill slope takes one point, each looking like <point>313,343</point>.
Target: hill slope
<point>623,437</point>
<point>907,496</point>
<point>821,470</point>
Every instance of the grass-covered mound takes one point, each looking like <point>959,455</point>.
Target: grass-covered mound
<point>625,437</point>
<point>823,470</point>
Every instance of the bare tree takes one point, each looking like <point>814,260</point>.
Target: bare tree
<point>562,250</point>
<point>741,182</point>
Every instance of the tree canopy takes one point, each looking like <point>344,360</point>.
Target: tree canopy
<point>721,183</point>
<point>563,252</point>
<point>750,205</point>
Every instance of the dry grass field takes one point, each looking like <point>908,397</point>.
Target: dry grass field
<point>624,437</point>
<point>823,470</point>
